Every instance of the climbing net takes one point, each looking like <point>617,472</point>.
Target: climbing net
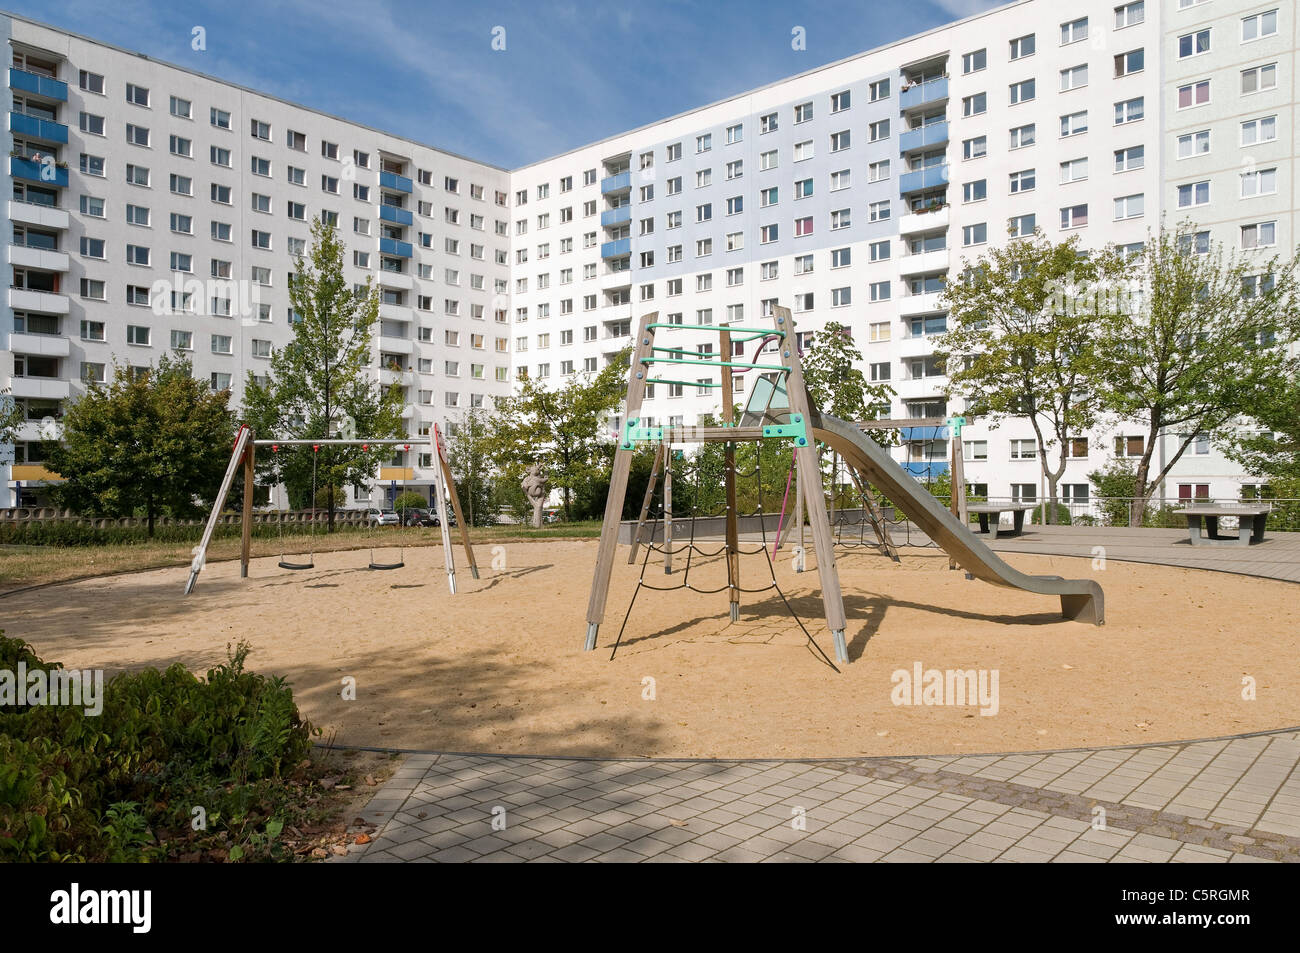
<point>697,472</point>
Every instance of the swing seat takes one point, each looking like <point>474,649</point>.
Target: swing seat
<point>375,565</point>
<point>285,564</point>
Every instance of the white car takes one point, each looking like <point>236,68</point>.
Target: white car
<point>383,517</point>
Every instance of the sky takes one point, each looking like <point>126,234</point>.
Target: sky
<point>571,72</point>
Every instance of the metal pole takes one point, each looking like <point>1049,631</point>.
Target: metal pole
<point>386,441</point>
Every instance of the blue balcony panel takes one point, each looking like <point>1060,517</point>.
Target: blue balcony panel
<point>391,213</point>
<point>923,433</point>
<point>616,249</point>
<point>40,85</point>
<point>391,246</point>
<point>616,183</point>
<point>35,128</point>
<point>934,134</point>
<point>45,174</point>
<point>398,183</point>
<point>616,216</point>
<point>922,94</point>
<point>929,178</point>
<point>926,471</point>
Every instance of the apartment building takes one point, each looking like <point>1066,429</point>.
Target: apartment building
<point>849,192</point>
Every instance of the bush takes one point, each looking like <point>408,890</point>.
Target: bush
<point>323,497</point>
<point>73,532</point>
<point>122,785</point>
<point>410,500</point>
<point>1061,515</point>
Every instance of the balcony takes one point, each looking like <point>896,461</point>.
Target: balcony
<point>40,85</point>
<point>32,473</point>
<point>613,280</point>
<point>46,345</point>
<point>937,217</point>
<point>49,388</point>
<point>923,137</point>
<point>32,128</point>
<point>392,345</point>
<point>936,260</point>
<point>395,279</point>
<point>931,177</point>
<point>391,246</point>
<point>616,216</point>
<point>919,304</point>
<point>923,94</point>
<point>923,433</point>
<point>32,213</point>
<point>396,312</point>
<point>48,259</point>
<point>46,302</point>
<point>398,183</point>
<point>926,471</point>
<point>616,249</point>
<point>400,216</point>
<point>46,173</point>
<point>616,183</point>
<point>388,377</point>
<point>397,473</point>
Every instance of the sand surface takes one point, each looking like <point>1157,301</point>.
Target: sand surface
<point>499,666</point>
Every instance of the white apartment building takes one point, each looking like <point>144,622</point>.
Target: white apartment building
<point>848,193</point>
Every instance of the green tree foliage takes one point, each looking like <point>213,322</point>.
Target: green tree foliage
<point>1205,337</point>
<point>11,417</point>
<point>1022,326</point>
<point>321,383</point>
<point>1273,451</point>
<point>469,456</point>
<point>566,430</point>
<point>155,442</point>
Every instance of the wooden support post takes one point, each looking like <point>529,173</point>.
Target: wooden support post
<point>668,508</point>
<point>799,512</point>
<point>440,487</point>
<point>242,441</point>
<point>643,520</point>
<point>729,470</point>
<point>246,521</point>
<point>450,480</point>
<point>637,375</point>
<point>832,596</point>
<point>957,476</point>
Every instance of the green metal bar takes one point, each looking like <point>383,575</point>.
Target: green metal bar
<point>752,333</point>
<point>659,380</point>
<point>745,364</point>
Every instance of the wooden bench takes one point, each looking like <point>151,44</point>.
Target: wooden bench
<point>1250,524</point>
<point>995,510</point>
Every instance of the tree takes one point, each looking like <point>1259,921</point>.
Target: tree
<point>320,384</point>
<point>1202,339</point>
<point>1273,452</point>
<point>561,429</point>
<point>155,442</point>
<point>469,456</point>
<point>11,417</point>
<point>1022,324</point>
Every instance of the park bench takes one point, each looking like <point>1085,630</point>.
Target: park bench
<point>995,510</point>
<point>1250,524</point>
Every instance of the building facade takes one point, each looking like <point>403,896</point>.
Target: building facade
<point>849,193</point>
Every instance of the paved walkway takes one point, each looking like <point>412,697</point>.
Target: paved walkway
<point>1229,801</point>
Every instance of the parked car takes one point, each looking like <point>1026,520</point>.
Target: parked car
<point>373,513</point>
<point>419,517</point>
<point>387,518</point>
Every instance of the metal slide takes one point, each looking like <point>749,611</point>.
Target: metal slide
<point>1081,599</point>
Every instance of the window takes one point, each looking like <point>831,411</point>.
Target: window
<point>1074,31</point>
<point>1127,160</point>
<point>879,90</point>
<point>92,330</point>
<point>976,191</point>
<point>1074,170</point>
<point>91,124</point>
<point>1128,206</point>
<point>1130,111</point>
<point>219,118</point>
<point>137,95</point>
<point>840,180</point>
<point>219,156</point>
<point>840,141</point>
<point>877,131</point>
<point>1134,61</point>
<point>1130,14</point>
<point>1073,77</point>
<point>1022,225</point>
<point>974,62</point>
<point>803,188</point>
<point>975,148</point>
<point>767,123</point>
<point>1194,194</point>
<point>803,226</point>
<point>1193,44</point>
<point>974,105</point>
<point>137,175</point>
<point>92,247</point>
<point>1259,235</point>
<point>179,146</point>
<point>1194,144</point>
<point>182,224</point>
<point>1022,181</point>
<point>182,340</point>
<point>1255,131</point>
<point>767,160</point>
<point>803,112</point>
<point>878,171</point>
<point>975,234</point>
<point>91,206</point>
<point>1022,92</point>
<point>1129,446</point>
<point>1192,94</point>
<point>703,143</point>
<point>221,344</point>
<point>137,215</point>
<point>1259,25</point>
<point>803,150</point>
<point>135,334</point>
<point>180,184</point>
<point>876,212</point>
<point>1022,46</point>
<point>1023,136</point>
<point>91,82</point>
<point>1258,79</point>
<point>841,101</point>
<point>1024,449</point>
<point>329,150</point>
<point>878,251</point>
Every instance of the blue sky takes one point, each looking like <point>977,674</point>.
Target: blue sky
<point>572,71</point>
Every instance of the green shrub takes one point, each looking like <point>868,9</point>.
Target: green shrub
<point>117,786</point>
<point>411,500</point>
<point>1061,515</point>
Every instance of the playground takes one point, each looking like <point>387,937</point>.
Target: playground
<point>497,667</point>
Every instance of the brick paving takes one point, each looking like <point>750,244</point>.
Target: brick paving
<point>1224,801</point>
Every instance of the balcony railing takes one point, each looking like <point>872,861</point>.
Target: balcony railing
<point>32,127</point>
<point>46,173</point>
<point>616,183</point>
<point>398,183</point>
<point>40,85</point>
<point>616,249</point>
<point>933,134</point>
<point>391,213</point>
<point>921,94</point>
<point>616,216</point>
<point>927,178</point>
<point>391,246</point>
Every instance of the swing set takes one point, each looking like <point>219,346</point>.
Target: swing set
<point>244,454</point>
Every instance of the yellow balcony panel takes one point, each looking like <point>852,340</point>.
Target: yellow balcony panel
<point>394,473</point>
<point>31,472</point>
